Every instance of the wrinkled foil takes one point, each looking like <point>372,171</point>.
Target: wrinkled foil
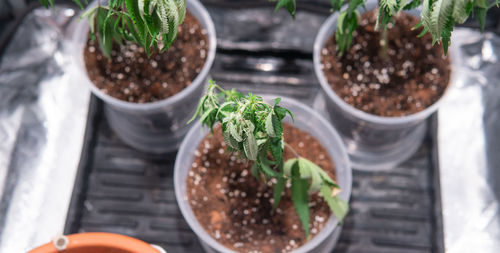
<point>469,146</point>
<point>42,125</point>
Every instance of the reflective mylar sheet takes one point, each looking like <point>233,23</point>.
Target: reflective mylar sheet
<point>469,147</point>
<point>42,124</point>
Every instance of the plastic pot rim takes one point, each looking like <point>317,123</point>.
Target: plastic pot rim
<point>199,79</point>
<point>325,32</point>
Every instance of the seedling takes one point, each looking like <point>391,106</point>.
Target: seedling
<point>151,24</point>
<point>254,129</point>
<point>438,17</point>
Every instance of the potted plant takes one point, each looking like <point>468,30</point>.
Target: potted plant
<point>147,60</point>
<point>238,186</point>
<point>380,82</point>
<point>97,243</point>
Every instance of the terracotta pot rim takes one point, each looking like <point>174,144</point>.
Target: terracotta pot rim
<point>97,239</point>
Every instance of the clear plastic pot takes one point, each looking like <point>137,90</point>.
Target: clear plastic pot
<point>373,142</point>
<point>306,119</point>
<point>155,127</point>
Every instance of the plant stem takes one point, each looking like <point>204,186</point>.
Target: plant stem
<point>383,44</point>
<point>291,149</point>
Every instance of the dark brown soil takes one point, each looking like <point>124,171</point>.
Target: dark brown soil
<point>413,77</point>
<point>131,76</point>
<point>235,208</point>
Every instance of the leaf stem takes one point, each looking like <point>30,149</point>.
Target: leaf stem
<point>291,149</point>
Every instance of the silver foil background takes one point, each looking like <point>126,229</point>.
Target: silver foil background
<point>42,124</point>
<point>469,146</point>
<point>43,115</point>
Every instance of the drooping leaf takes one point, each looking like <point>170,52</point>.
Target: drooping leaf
<point>338,206</point>
<point>269,125</point>
<point>278,189</point>
<point>264,165</point>
<point>250,147</point>
<point>461,10</point>
<point>441,14</point>
<point>300,198</point>
<point>290,6</point>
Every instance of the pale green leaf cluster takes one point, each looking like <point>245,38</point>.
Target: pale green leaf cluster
<point>438,17</point>
<point>152,24</point>
<point>254,129</point>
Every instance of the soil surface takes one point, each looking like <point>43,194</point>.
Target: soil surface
<point>235,208</point>
<point>131,76</point>
<point>413,76</point>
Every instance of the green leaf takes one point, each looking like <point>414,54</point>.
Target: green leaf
<point>45,3</point>
<point>139,25</point>
<point>250,147</point>
<point>264,165</point>
<point>269,125</point>
<point>287,167</point>
<point>338,206</point>
<point>206,117</point>
<point>304,168</point>
<point>442,11</point>
<point>300,198</point>
<point>290,6</point>
<point>481,17</point>
<point>230,141</point>
<point>279,187</point>
<point>77,2</point>
<point>198,108</point>
<point>461,10</point>
<point>235,133</point>
<point>336,4</point>
<point>255,170</point>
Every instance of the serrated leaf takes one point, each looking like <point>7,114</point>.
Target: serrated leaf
<point>235,133</point>
<point>138,23</point>
<point>264,165</point>
<point>461,10</point>
<point>230,141</point>
<point>300,198</point>
<point>441,13</point>
<point>205,117</point>
<point>250,147</point>
<point>338,206</point>
<point>269,125</point>
<point>412,5</point>
<point>279,187</point>
<point>276,150</point>
<point>182,10</point>
<point>281,112</point>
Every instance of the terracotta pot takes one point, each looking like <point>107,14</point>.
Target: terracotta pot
<point>97,243</point>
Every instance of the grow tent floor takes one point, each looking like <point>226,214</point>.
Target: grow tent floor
<point>121,190</point>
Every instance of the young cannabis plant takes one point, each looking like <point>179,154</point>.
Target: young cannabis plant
<point>254,129</point>
<point>438,17</point>
<point>152,24</point>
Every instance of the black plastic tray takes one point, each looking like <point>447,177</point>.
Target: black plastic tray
<point>121,190</point>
